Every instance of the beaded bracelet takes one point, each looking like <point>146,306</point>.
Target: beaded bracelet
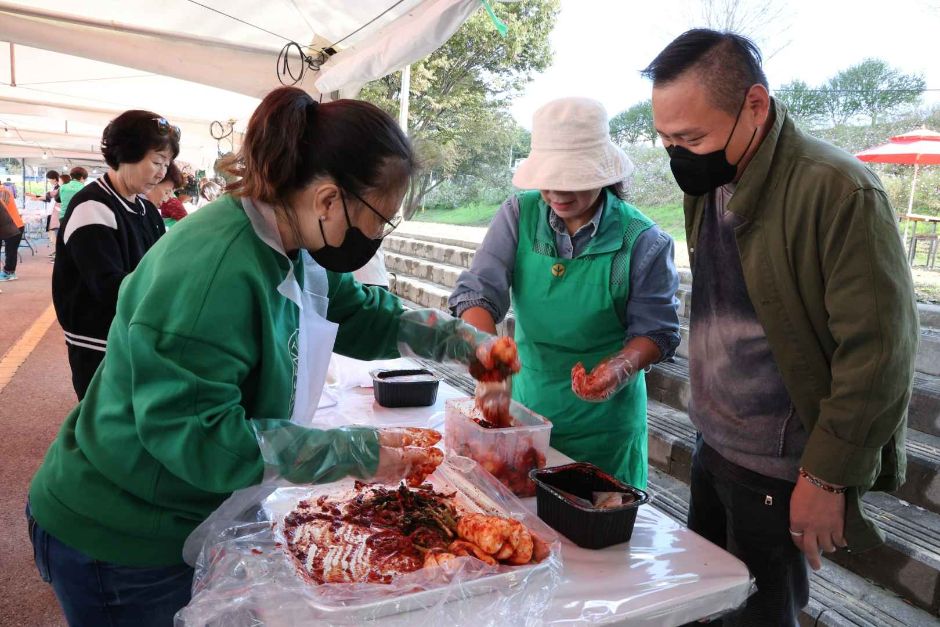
<point>821,484</point>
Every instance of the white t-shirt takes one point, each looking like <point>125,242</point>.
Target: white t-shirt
<point>374,272</point>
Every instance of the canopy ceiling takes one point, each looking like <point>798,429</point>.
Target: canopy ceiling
<point>63,76</point>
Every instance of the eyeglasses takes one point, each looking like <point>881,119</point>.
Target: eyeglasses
<point>165,128</point>
<point>390,223</point>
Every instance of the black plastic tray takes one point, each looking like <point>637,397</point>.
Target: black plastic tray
<point>404,393</point>
<point>588,527</point>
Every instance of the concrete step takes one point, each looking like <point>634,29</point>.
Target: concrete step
<point>928,352</point>
<point>431,251</point>
<point>909,561</point>
<point>441,274</point>
<point>838,597</point>
<point>929,313</point>
<point>422,293</point>
<point>668,383</point>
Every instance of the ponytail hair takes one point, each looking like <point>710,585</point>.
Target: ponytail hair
<point>291,140</point>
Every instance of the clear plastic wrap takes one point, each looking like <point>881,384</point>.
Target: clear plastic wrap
<point>245,577</point>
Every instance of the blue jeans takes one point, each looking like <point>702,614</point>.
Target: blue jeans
<point>98,594</point>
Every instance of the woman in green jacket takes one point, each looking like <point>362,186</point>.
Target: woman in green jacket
<point>593,287</point>
<point>232,318</point>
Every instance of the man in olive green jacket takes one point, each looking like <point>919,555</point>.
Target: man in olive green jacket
<point>803,326</point>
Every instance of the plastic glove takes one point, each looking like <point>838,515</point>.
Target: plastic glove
<point>411,463</point>
<point>407,452</point>
<point>607,378</point>
<point>435,335</point>
<point>397,437</point>
<point>492,399</point>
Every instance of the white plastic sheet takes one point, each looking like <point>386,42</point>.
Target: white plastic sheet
<point>666,575</point>
<point>245,577</point>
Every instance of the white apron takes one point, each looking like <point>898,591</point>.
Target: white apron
<point>312,346</point>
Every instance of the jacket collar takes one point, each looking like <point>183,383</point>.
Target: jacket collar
<point>757,178</point>
<point>608,231</point>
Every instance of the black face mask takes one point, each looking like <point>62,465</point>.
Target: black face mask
<point>699,174</point>
<point>354,252</point>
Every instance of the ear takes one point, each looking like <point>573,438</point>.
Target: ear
<point>758,104</point>
<point>327,201</point>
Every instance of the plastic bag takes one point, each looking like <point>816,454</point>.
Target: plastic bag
<point>245,577</point>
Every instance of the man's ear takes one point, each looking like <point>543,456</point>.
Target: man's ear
<point>758,103</point>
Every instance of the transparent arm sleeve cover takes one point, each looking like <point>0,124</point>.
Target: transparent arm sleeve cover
<point>435,335</point>
<point>304,455</point>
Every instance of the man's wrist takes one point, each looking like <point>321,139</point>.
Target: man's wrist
<point>822,485</point>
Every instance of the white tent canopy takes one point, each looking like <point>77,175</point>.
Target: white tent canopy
<point>63,76</point>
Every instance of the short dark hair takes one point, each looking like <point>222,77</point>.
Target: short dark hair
<point>291,139</point>
<point>64,178</point>
<point>129,136</point>
<point>728,63</point>
<point>78,172</point>
<point>52,174</point>
<point>173,175</point>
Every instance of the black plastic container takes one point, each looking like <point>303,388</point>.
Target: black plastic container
<point>390,392</point>
<point>588,527</point>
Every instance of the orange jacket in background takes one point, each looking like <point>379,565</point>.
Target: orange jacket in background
<point>7,200</point>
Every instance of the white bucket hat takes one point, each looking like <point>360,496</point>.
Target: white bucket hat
<point>571,149</point>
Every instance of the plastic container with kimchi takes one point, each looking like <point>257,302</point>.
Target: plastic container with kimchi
<point>507,453</point>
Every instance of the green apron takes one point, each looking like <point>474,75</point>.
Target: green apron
<point>571,310</point>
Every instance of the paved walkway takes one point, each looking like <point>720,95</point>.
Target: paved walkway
<point>35,395</point>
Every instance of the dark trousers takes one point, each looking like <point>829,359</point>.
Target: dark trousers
<point>95,594</point>
<point>12,244</point>
<point>84,363</point>
<point>748,515</point>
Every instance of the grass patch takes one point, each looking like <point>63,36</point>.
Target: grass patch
<point>670,218</point>
<point>474,214</point>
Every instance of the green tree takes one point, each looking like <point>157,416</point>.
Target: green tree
<point>878,89</point>
<point>458,115</point>
<point>803,102</point>
<point>634,125</point>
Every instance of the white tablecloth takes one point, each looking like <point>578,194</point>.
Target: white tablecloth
<point>666,575</point>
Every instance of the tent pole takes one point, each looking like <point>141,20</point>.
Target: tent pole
<point>910,202</point>
<point>404,96</point>
<point>12,65</point>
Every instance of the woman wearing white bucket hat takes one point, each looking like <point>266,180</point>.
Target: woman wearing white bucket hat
<point>593,287</point>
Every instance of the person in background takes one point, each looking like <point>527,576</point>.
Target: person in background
<point>78,176</point>
<point>804,325</point>
<point>171,209</point>
<point>10,185</point>
<point>52,190</point>
<point>108,228</point>
<point>11,240</point>
<point>592,283</point>
<point>229,321</point>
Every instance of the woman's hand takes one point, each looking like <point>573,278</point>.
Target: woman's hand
<point>495,359</point>
<point>407,453</point>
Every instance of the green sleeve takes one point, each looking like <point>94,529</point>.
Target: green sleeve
<point>187,405</point>
<point>367,317</point>
<point>869,297</point>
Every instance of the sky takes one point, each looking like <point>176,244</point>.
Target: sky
<point>601,45</point>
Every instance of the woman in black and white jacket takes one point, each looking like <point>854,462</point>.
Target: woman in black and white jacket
<point>106,232</point>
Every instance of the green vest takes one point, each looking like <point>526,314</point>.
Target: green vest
<point>571,310</point>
